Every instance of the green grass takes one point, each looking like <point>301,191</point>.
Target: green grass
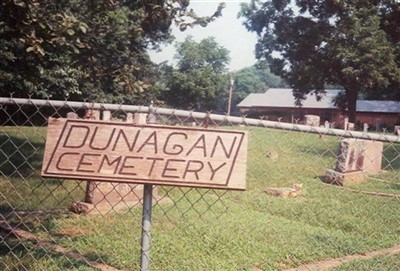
<point>210,229</point>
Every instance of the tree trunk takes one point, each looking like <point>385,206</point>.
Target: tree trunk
<point>351,95</point>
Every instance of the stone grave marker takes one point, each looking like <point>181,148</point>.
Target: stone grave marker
<point>129,117</point>
<point>356,159</point>
<point>312,120</point>
<point>92,114</point>
<point>345,123</point>
<point>72,115</point>
<point>397,130</point>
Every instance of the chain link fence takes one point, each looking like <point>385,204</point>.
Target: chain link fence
<point>316,199</point>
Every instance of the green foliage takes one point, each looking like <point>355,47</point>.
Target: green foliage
<point>311,44</point>
<point>184,23</point>
<point>90,49</point>
<point>254,79</point>
<point>200,76</point>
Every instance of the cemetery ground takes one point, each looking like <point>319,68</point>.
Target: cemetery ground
<point>205,229</point>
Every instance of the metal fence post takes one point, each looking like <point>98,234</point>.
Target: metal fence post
<point>146,213</point>
<point>146,227</point>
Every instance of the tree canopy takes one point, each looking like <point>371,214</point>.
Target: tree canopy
<point>86,49</point>
<point>200,76</point>
<point>310,44</point>
<point>254,79</point>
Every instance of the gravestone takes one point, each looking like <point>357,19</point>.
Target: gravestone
<point>356,159</point>
<point>312,120</point>
<point>103,197</point>
<point>286,192</point>
<point>140,118</point>
<point>92,114</point>
<point>397,130</point>
<point>72,115</point>
<point>129,117</point>
<point>109,196</point>
<point>106,115</point>
<point>365,127</point>
<point>346,123</point>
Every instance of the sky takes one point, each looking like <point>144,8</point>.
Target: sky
<point>227,30</point>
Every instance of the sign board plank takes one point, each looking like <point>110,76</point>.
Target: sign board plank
<point>162,155</point>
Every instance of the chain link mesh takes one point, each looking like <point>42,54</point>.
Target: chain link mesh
<point>289,218</point>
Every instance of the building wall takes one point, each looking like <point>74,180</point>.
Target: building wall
<point>293,115</point>
<point>382,120</point>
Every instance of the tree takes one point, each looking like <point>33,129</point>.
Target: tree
<point>390,22</point>
<point>200,76</point>
<point>254,79</point>
<point>85,49</point>
<point>314,43</point>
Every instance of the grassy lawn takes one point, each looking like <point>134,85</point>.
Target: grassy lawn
<point>209,229</point>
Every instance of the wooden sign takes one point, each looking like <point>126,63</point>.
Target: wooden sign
<point>163,155</point>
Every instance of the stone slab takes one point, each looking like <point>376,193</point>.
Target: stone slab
<point>397,130</point>
<point>359,155</point>
<point>114,193</point>
<point>105,206</point>
<point>285,192</point>
<point>312,120</point>
<point>343,179</point>
<point>373,157</point>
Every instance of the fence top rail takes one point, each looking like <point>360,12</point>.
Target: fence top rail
<point>201,115</point>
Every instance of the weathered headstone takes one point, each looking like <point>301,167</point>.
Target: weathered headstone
<point>72,115</point>
<point>365,127</point>
<point>140,118</point>
<point>373,157</point>
<point>397,130</point>
<point>106,115</point>
<point>335,177</point>
<point>286,192</point>
<point>350,157</point>
<point>356,159</point>
<point>92,114</point>
<point>312,120</point>
<point>108,196</point>
<point>129,117</point>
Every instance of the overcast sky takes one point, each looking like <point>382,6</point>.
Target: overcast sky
<point>228,31</point>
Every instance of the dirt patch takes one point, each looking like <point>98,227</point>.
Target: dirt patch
<point>44,243</point>
<point>331,263</point>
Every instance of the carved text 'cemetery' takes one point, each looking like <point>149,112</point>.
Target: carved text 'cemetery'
<point>112,151</point>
